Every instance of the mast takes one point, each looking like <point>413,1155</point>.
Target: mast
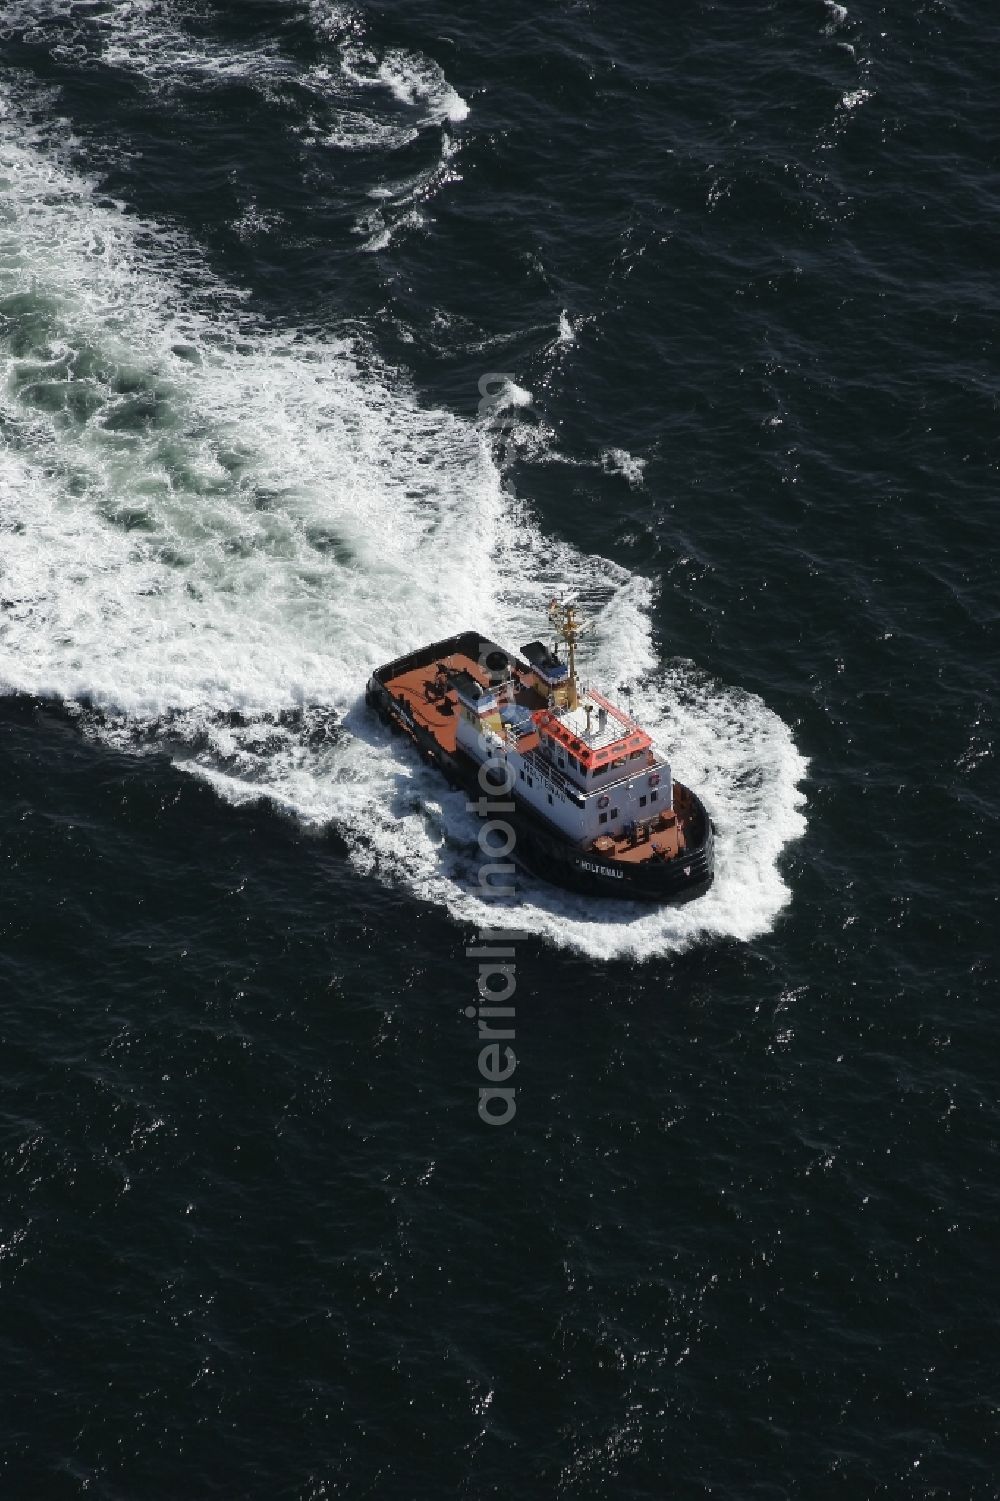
<point>567,628</point>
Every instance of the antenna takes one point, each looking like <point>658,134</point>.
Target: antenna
<point>567,628</point>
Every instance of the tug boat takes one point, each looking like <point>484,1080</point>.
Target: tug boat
<point>590,804</point>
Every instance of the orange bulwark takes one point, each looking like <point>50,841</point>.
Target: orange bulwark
<point>592,760</point>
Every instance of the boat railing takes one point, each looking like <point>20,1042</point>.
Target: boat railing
<point>541,765</point>
<point>613,709</point>
<point>545,767</point>
<point>548,769</point>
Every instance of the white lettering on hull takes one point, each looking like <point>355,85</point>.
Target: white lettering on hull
<point>600,870</point>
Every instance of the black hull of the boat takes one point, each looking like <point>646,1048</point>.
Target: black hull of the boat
<point>539,848</point>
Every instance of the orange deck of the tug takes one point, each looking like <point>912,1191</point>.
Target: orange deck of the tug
<point>438,714</point>
<point>666,837</point>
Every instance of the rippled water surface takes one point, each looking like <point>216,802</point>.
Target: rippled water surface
<point>728,278</point>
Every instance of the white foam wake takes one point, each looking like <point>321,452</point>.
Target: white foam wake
<point>211,531</point>
<point>357,98</point>
<point>364,99</point>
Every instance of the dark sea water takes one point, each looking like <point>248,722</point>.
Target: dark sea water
<point>325,331</point>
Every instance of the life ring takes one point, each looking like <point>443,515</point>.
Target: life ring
<point>654,780</point>
<point>602,802</point>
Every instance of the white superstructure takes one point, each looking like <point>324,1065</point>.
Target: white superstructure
<point>580,762</point>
